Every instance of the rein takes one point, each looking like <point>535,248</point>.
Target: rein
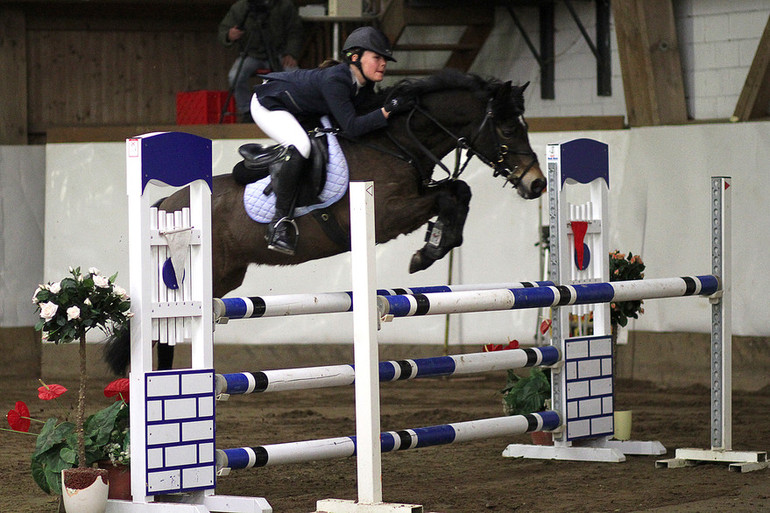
<point>463,144</point>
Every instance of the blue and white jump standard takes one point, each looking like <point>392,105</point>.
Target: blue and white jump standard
<point>173,458</point>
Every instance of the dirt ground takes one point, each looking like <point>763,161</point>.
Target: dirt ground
<point>461,478</point>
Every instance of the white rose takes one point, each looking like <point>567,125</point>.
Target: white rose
<point>34,296</point>
<point>102,282</point>
<point>55,288</point>
<point>88,301</point>
<point>48,310</point>
<point>93,270</point>
<point>73,312</point>
<point>120,292</point>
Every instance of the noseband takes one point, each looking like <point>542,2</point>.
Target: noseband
<point>461,143</point>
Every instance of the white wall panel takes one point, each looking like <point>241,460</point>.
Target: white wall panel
<point>659,208</point>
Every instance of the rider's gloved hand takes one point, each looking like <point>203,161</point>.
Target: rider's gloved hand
<point>399,104</point>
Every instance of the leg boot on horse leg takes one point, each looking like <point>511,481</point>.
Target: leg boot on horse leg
<point>284,178</point>
<point>165,356</point>
<point>447,232</point>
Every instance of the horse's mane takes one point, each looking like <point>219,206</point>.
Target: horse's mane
<point>446,79</point>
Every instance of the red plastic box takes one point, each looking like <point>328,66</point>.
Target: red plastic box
<point>204,108</point>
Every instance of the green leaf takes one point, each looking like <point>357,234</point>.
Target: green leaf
<point>39,475</point>
<point>527,395</point>
<point>99,425</point>
<point>51,435</point>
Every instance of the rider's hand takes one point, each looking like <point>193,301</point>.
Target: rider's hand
<point>399,104</point>
<point>234,34</point>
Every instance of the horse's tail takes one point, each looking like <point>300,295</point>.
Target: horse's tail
<point>117,349</point>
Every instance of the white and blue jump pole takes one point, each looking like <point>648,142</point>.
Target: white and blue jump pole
<point>330,302</point>
<point>282,380</point>
<point>344,447</point>
<point>409,305</point>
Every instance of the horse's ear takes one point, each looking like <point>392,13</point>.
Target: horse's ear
<point>504,91</point>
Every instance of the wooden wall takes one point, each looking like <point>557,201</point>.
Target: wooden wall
<point>111,63</point>
<point>120,65</point>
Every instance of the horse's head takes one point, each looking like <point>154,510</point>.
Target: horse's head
<point>507,139</point>
<point>484,117</point>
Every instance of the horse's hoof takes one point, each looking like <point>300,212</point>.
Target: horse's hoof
<point>419,262</point>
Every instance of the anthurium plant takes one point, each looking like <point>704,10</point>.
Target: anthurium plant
<point>106,435</point>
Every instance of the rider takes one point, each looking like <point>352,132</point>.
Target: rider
<point>336,91</point>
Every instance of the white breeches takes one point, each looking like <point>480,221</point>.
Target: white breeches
<point>281,126</point>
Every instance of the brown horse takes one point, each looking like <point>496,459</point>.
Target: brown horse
<point>454,110</point>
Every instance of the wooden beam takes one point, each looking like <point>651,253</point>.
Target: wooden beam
<point>250,131</point>
<point>576,123</point>
<point>650,62</point>
<point>13,79</point>
<point>754,101</point>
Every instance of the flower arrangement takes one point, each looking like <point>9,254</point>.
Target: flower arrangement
<point>68,310</point>
<point>74,305</point>
<point>624,268</point>
<point>106,435</point>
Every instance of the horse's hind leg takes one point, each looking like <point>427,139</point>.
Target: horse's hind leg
<point>447,232</point>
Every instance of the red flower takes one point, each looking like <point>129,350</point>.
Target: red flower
<point>512,344</point>
<point>48,392</point>
<point>18,418</point>
<point>492,347</point>
<point>118,388</point>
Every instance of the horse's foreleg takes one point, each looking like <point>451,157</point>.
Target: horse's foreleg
<point>447,232</point>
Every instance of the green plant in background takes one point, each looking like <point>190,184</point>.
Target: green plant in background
<point>623,268</point>
<point>529,394</point>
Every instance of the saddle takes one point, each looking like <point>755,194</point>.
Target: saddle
<point>257,159</point>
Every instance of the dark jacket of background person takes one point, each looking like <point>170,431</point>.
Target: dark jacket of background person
<point>284,28</point>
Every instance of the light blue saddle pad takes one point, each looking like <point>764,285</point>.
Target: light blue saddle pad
<point>261,207</point>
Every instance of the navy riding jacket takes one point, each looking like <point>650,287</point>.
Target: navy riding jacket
<point>321,91</point>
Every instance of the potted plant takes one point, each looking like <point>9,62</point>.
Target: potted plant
<point>68,310</point>
<point>106,433</point>
<point>624,268</point>
<point>528,394</point>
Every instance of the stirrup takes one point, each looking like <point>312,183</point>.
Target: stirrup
<point>287,247</point>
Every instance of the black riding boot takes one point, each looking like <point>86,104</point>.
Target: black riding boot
<point>284,178</point>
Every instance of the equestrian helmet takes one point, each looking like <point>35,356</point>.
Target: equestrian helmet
<point>369,38</point>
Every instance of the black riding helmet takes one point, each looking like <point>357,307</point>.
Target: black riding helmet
<point>368,38</point>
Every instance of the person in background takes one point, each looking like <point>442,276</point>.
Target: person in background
<point>334,89</point>
<point>268,34</point>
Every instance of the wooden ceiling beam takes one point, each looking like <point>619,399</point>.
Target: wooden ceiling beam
<point>754,101</point>
<point>650,62</point>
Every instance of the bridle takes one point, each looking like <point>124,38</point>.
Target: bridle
<point>461,143</point>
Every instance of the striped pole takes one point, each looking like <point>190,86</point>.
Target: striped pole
<point>342,375</point>
<point>344,447</point>
<point>547,296</point>
<point>331,302</point>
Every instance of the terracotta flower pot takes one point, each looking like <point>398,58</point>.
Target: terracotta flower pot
<point>120,480</point>
<point>541,438</point>
<point>84,490</point>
